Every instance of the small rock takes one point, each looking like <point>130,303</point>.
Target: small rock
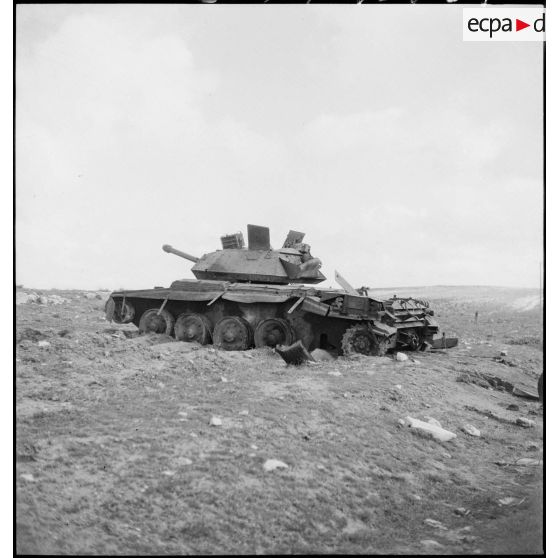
<point>431,545</point>
<point>512,407</point>
<point>401,357</point>
<point>401,422</point>
<point>415,361</point>
<point>398,386</point>
<point>43,344</point>
<point>42,300</point>
<point>435,431</point>
<point>272,464</point>
<point>416,497</point>
<point>471,430</point>
<point>461,511</point>
<point>254,447</point>
<point>90,296</point>
<point>526,423</point>
<point>183,413</point>
<point>28,477</point>
<point>436,524</point>
<point>508,501</point>
<point>224,380</point>
<point>431,420</point>
<point>244,412</point>
<point>215,421</point>
<point>446,455</point>
<point>346,395</point>
<point>169,473</point>
<point>160,385</point>
<point>504,353</point>
<point>334,373</point>
<point>321,355</point>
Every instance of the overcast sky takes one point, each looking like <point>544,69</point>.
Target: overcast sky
<point>408,156</point>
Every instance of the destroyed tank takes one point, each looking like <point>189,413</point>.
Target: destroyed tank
<point>256,296</point>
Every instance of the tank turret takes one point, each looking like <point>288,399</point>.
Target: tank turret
<point>257,263</point>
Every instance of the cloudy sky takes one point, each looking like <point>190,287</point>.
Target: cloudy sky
<point>408,156</point>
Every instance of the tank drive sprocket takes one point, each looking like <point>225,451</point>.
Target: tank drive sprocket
<point>360,340</point>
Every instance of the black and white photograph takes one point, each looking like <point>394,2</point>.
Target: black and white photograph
<point>279,278</point>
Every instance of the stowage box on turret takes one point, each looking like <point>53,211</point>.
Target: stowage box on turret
<point>256,296</point>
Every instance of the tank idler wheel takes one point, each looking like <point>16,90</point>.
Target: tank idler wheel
<point>272,332</point>
<point>193,328</point>
<point>233,333</point>
<point>118,313</point>
<point>152,321</point>
<point>359,340</point>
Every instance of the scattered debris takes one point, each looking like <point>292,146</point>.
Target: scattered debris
<point>528,462</point>
<point>272,464</point>
<point>526,423</point>
<point>471,430</point>
<point>294,354</point>
<point>215,421</point>
<point>436,432</point>
<point>526,394</point>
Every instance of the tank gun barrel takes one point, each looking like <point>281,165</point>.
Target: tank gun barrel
<point>169,249</point>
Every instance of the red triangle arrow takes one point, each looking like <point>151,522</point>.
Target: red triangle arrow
<point>519,25</point>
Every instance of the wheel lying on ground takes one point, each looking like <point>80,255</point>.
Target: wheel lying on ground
<point>359,340</point>
<point>153,321</point>
<point>272,332</point>
<point>193,328</point>
<point>233,333</point>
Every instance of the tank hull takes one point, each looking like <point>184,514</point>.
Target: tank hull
<point>241,315</point>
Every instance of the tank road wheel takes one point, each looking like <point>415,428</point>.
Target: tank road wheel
<point>272,332</point>
<point>153,322</point>
<point>193,327</point>
<point>412,340</point>
<point>359,340</point>
<point>232,333</point>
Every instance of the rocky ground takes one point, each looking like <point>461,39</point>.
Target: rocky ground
<point>143,445</point>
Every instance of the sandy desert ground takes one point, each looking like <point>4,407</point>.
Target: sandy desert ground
<point>116,453</point>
